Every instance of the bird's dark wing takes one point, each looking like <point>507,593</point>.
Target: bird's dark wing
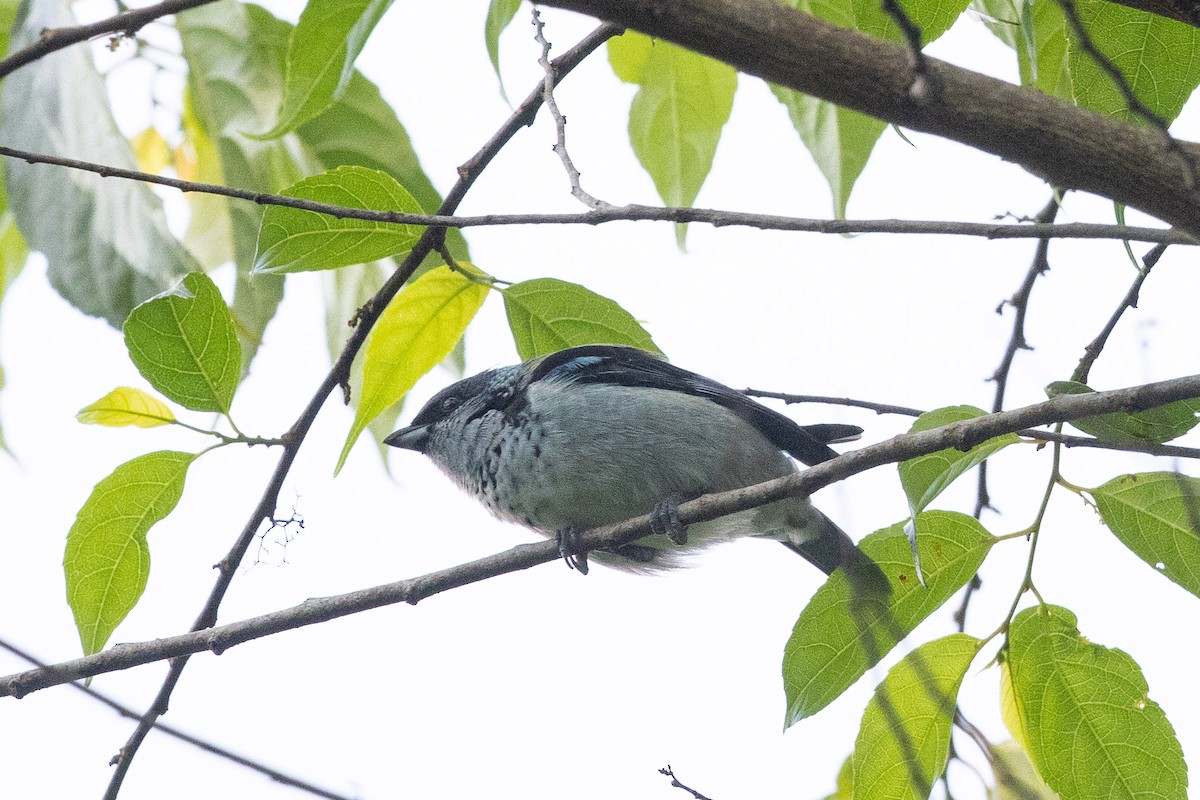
<point>627,366</point>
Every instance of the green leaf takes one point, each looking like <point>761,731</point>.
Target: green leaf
<point>293,240</point>
<point>1016,779</point>
<point>235,56</point>
<point>106,241</point>
<point>320,57</point>
<point>209,234</point>
<point>1037,32</point>
<point>904,741</point>
<point>362,130</point>
<point>547,315</point>
<point>418,329</point>
<point>839,139</point>
<point>1093,731</point>
<point>1154,425</point>
<point>1159,57</point>
<point>185,345</point>
<point>676,118</point>
<point>500,14</point>
<point>839,635</point>
<point>925,477</point>
<point>107,560</point>
<point>126,406</point>
<point>1157,516</point>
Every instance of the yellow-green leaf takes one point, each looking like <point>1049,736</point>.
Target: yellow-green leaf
<point>126,406</point>
<point>1016,779</point>
<point>547,315</point>
<point>417,330</point>
<point>1092,730</point>
<point>840,635</point>
<point>107,560</point>
<point>1157,516</point>
<point>904,740</point>
<point>151,151</point>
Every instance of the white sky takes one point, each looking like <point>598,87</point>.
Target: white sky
<point>546,684</point>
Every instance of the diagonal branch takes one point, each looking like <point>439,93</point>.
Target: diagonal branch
<point>1070,147</point>
<point>959,435</point>
<point>338,375</point>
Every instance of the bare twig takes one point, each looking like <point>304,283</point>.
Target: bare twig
<point>126,23</point>
<point>172,731</point>
<point>675,783</point>
<point>960,435</point>
<point>338,375</point>
<point>1096,346</point>
<point>878,408</point>
<point>560,122</point>
<point>639,213</point>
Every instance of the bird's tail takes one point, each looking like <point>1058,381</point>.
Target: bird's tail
<point>832,548</point>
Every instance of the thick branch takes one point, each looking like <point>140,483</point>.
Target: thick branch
<point>1068,146</point>
<point>960,435</point>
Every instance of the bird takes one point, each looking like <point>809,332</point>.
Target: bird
<point>594,435</point>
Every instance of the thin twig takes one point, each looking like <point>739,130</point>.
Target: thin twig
<point>878,408</point>
<point>961,435</point>
<point>126,23</point>
<point>676,783</point>
<point>338,374</point>
<point>1096,346</point>
<point>172,731</point>
<point>639,213</point>
<point>560,122</point>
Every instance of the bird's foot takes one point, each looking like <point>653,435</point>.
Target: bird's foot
<point>664,519</point>
<point>568,542</point>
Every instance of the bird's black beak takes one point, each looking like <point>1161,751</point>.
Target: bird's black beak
<point>414,437</point>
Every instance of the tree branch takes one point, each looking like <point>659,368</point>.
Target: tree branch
<point>126,23</point>
<point>1187,11</point>
<point>638,213</point>
<point>1068,146</point>
<point>959,435</point>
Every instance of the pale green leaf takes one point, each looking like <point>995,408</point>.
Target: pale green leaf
<point>1093,731</point>
<point>840,635</point>
<point>346,290</point>
<point>839,139</point>
<point>677,116</point>
<point>547,315</point>
<point>925,477</point>
<point>500,14</point>
<point>1154,425</point>
<point>293,240</point>
<point>107,560</point>
<point>1036,30</point>
<point>320,57</point>
<point>1159,57</point>
<point>845,776</point>
<point>184,344</point>
<point>904,740</point>
<point>106,241</point>
<point>1016,779</point>
<point>1157,516</point>
<point>127,406</point>
<point>417,330</point>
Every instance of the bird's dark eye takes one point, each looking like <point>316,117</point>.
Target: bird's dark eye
<point>450,403</point>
